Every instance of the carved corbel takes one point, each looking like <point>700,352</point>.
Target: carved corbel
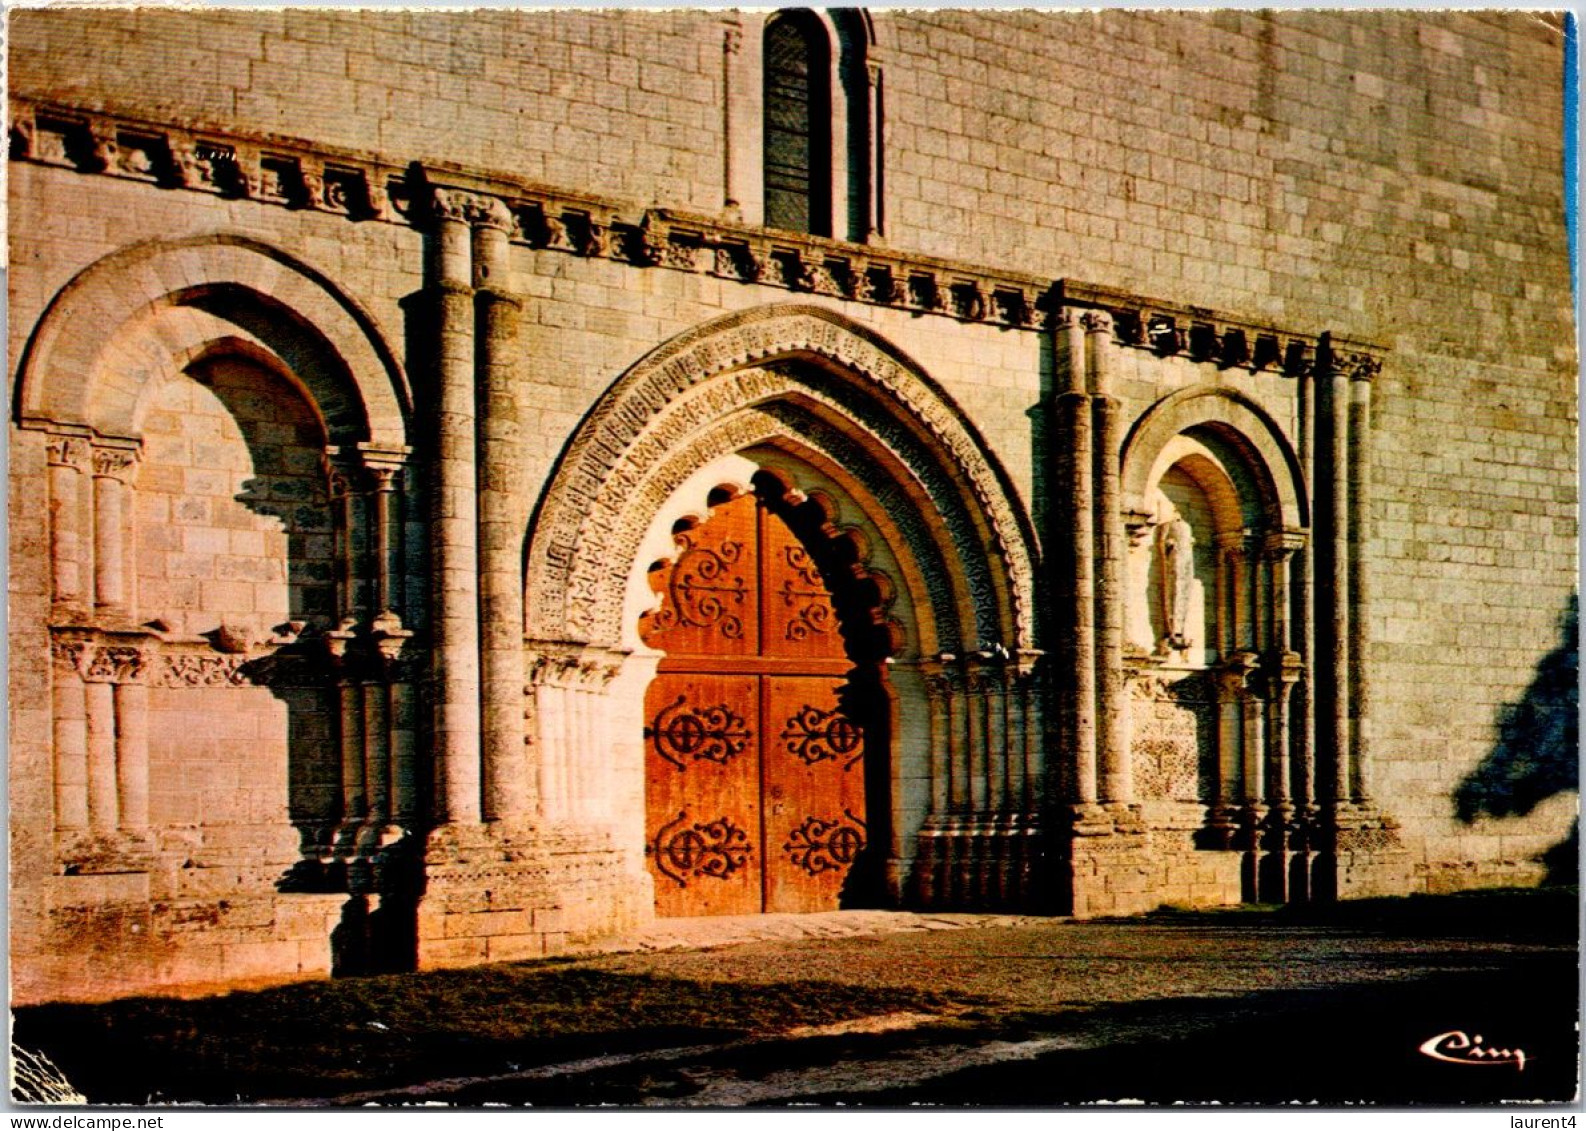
<point>924,293</point>
<point>1164,335</point>
<point>879,285</point>
<point>969,302</point>
<point>1013,306</point>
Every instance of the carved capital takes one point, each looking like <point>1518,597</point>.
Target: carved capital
<point>1096,321</point>
<point>114,463</point>
<point>74,452</point>
<point>98,662</point>
<point>1280,545</point>
<point>732,40</point>
<point>475,209</point>
<point>1067,318</point>
<point>1362,366</point>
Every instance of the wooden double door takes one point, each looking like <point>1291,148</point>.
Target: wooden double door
<point>754,762</point>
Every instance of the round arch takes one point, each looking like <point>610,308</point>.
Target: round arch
<point>1235,423</point>
<point>145,310</point>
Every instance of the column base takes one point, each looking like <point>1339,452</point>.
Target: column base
<point>1359,854</point>
<point>988,862</point>
<point>503,891</point>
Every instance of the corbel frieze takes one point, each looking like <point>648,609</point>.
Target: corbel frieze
<point>362,186</point>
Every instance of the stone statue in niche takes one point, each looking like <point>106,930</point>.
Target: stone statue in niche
<point>1175,547</point>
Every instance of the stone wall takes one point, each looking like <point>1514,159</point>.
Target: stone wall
<point>1389,177</point>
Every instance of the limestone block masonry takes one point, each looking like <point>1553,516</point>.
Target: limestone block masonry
<point>1172,413</point>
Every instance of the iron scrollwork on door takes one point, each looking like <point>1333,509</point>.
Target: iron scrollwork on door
<point>703,588</point>
<point>814,735</point>
<point>812,611</point>
<point>700,734</point>
<point>823,846</point>
<point>709,849</point>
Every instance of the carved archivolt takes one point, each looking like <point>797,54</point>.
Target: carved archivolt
<point>609,471</point>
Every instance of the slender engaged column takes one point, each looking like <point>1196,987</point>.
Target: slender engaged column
<point>938,692</point>
<point>1362,369</point>
<point>377,756</point>
<point>1114,773</point>
<point>132,755</point>
<point>70,734</point>
<point>404,752</point>
<point>112,468</point>
<point>731,48</point>
<point>1304,605</point>
<point>1336,532</point>
<point>101,731</point>
<point>71,557</point>
<point>354,742</point>
<point>1074,556</point>
<point>506,773</point>
<point>454,524</point>
<point>873,151</point>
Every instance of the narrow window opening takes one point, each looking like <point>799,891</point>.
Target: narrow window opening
<point>798,125</point>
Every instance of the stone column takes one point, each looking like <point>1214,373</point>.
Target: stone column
<point>874,226</point>
<point>1075,467</point>
<point>1334,720</point>
<point>70,734</point>
<point>1303,635</point>
<point>113,466</point>
<point>1114,773</point>
<point>1280,550</point>
<point>506,777</point>
<point>71,556</point>
<point>731,49</point>
<point>385,471</point>
<point>454,518</point>
<point>100,699</point>
<point>1361,372</point>
<point>132,751</point>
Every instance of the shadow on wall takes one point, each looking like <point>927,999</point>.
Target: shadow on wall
<point>1537,752</point>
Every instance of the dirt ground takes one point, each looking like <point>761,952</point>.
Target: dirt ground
<point>1433,1001</point>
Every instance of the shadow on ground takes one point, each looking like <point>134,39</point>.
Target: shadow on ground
<point>1359,988</point>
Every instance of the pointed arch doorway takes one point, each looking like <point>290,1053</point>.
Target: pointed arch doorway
<point>758,719</point>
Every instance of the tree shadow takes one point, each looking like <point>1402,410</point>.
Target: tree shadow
<point>1538,749</point>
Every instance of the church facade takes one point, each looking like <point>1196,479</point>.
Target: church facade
<point>482,480</point>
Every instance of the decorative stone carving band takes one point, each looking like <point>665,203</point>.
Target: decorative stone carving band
<point>297,175</point>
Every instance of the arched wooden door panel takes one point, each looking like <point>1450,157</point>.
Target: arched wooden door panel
<point>754,773</point>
